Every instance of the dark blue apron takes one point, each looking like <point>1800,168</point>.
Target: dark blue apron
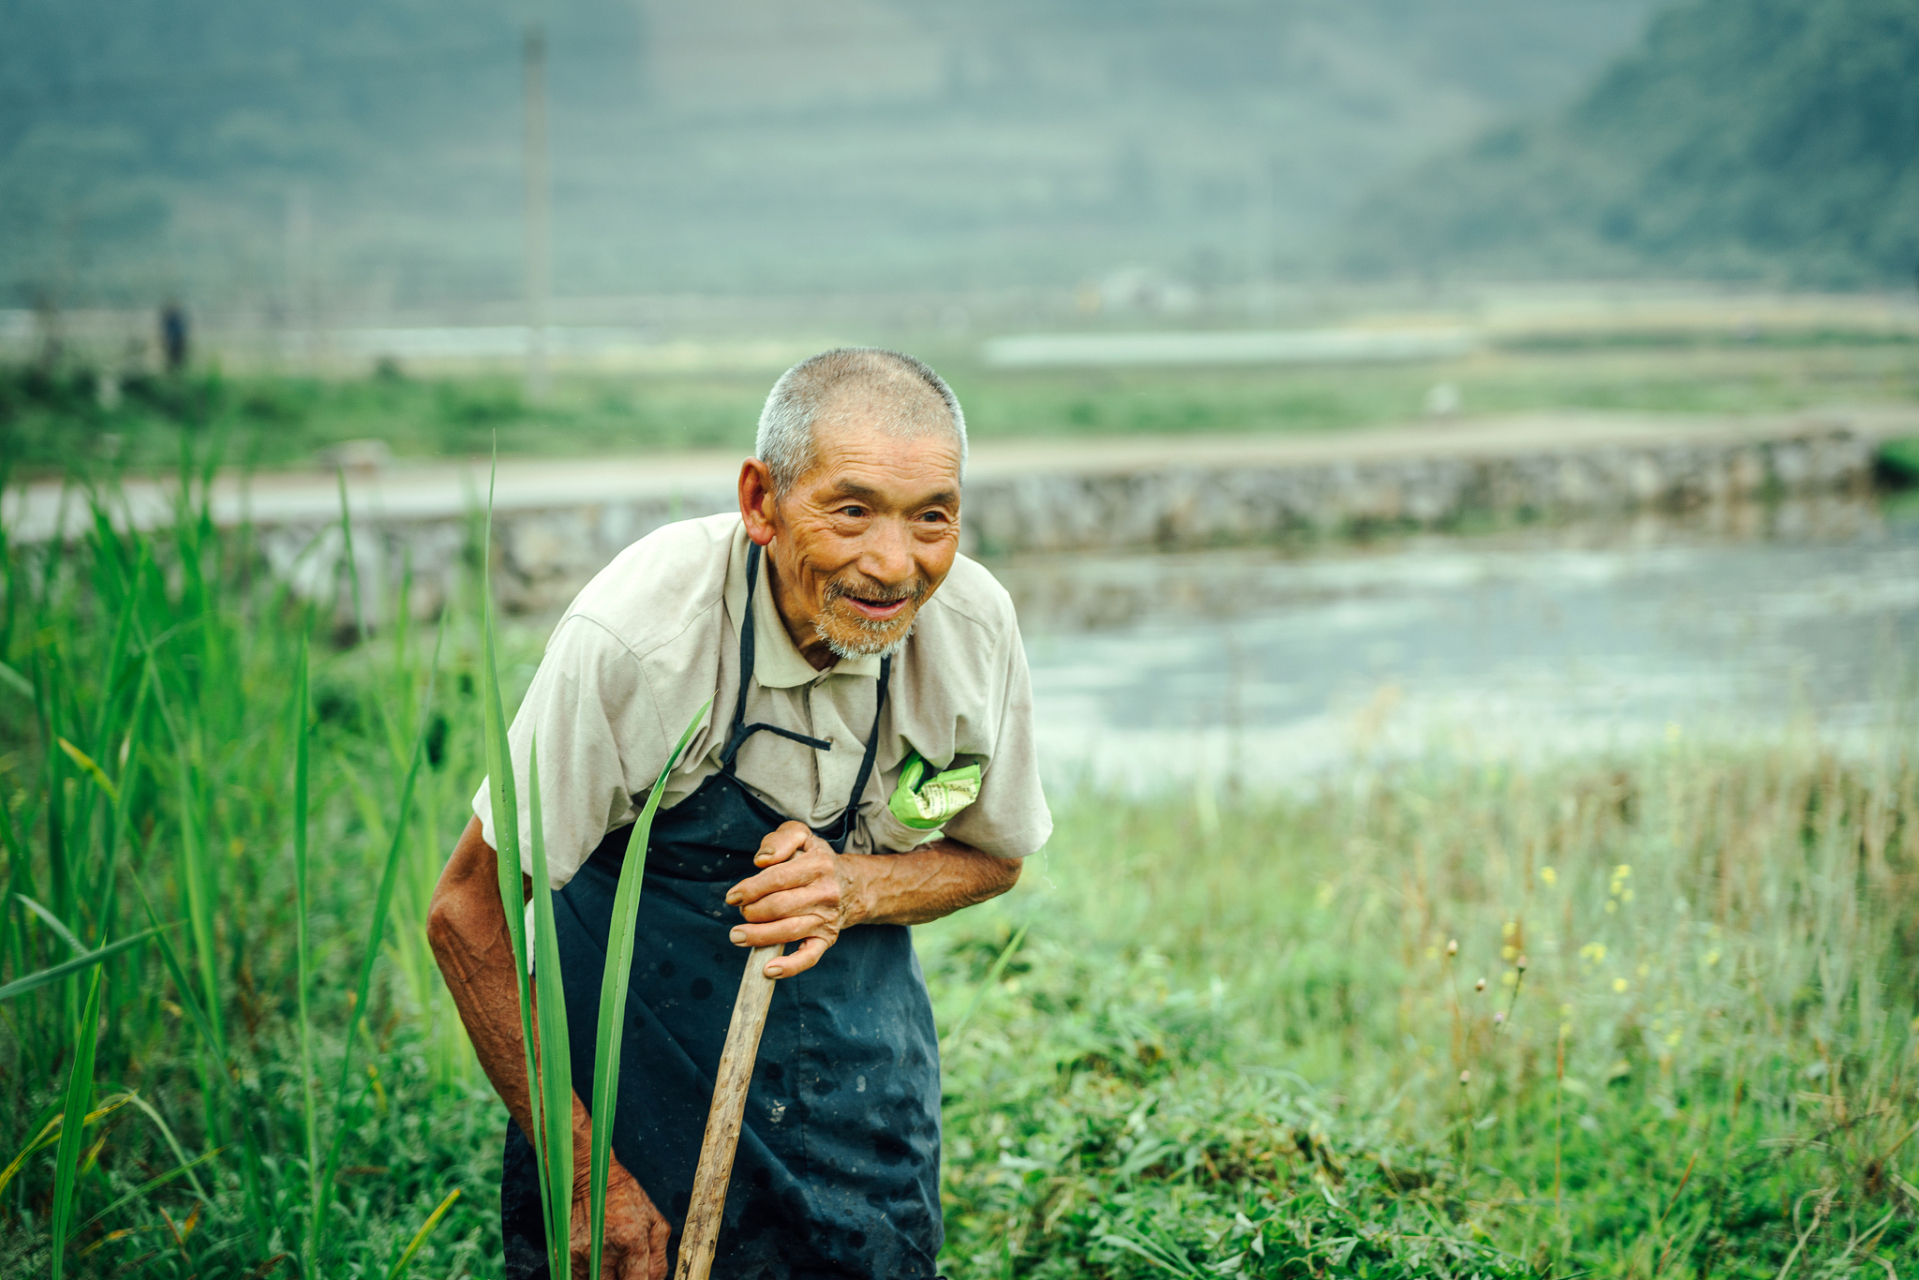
<point>838,1167</point>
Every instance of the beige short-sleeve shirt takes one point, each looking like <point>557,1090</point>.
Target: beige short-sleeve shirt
<point>657,632</point>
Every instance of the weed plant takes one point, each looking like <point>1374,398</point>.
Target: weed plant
<point>1205,1037</point>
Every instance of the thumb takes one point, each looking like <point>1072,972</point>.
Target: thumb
<point>637,1262</point>
<point>662,1236</point>
<point>782,843</point>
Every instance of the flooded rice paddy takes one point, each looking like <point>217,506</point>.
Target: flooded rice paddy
<point>1279,665</point>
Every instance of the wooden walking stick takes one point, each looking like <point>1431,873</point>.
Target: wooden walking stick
<point>724,1117</point>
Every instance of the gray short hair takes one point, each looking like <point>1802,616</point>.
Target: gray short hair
<point>911,400</point>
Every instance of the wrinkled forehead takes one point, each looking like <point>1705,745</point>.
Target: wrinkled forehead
<point>858,455</point>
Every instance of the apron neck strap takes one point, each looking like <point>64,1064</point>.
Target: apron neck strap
<point>746,649</point>
<point>872,743</point>
<point>741,730</point>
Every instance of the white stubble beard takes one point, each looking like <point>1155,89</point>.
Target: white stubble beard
<point>853,651</point>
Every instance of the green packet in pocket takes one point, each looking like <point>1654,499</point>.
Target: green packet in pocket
<point>923,802</point>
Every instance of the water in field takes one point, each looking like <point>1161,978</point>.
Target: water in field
<point>1277,665</point>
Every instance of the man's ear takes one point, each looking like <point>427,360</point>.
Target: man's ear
<point>756,500</point>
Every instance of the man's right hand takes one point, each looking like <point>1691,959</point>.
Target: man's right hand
<point>636,1234</point>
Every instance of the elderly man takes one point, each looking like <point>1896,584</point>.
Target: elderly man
<point>868,765</point>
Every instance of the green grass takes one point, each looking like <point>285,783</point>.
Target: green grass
<point>1243,1027</point>
<point>165,665</point>
<point>49,419</point>
<point>1207,1035</point>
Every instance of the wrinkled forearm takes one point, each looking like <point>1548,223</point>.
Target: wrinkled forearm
<point>929,882</point>
<point>468,930</point>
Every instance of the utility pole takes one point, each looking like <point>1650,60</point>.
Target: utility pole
<point>538,268</point>
<point>1259,241</point>
<point>298,349</point>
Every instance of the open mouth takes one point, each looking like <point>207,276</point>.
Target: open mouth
<point>878,610</point>
<point>873,605</point>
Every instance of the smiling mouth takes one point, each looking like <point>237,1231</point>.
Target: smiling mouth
<point>873,605</point>
<point>878,610</point>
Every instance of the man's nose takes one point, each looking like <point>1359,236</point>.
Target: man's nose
<point>887,555</point>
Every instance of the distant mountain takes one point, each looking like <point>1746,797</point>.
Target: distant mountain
<point>1758,139</point>
<point>363,153</point>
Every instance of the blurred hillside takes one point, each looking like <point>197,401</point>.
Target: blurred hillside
<point>1743,139</point>
<point>367,153</point>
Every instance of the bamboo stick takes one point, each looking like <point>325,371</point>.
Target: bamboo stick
<point>724,1118</point>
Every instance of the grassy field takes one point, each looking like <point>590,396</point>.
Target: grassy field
<point>1206,1036</point>
<point>48,418</point>
<point>1255,1041</point>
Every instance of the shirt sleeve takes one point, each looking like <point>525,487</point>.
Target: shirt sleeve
<point>591,714</point>
<point>1010,819</point>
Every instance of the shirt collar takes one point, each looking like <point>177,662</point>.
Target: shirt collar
<point>777,664</point>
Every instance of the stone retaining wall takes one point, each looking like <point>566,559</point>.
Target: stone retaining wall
<point>1180,507</point>
<point>543,555</point>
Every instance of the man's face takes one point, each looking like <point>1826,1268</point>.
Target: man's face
<point>863,539</point>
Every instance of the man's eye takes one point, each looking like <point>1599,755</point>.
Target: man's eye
<point>933,517</point>
<point>853,512</point>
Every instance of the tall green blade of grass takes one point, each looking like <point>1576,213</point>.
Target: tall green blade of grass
<point>13,943</point>
<point>11,679</point>
<point>303,975</point>
<point>58,833</point>
<point>151,1185</point>
<point>401,1263</point>
<point>206,710</point>
<point>108,1106</point>
<point>54,923</point>
<point>376,935</point>
<point>166,1132</point>
<point>556,1056</point>
<point>394,742</point>
<point>352,561</point>
<point>105,895</point>
<point>86,1036</point>
<point>85,960</point>
<point>502,795</point>
<point>614,983</point>
<point>986,984</point>
<point>6,558</point>
<point>50,1132</point>
<point>196,878</point>
<point>506,831</point>
<point>181,983</point>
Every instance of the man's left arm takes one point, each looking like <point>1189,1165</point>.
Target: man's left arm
<point>808,894</point>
